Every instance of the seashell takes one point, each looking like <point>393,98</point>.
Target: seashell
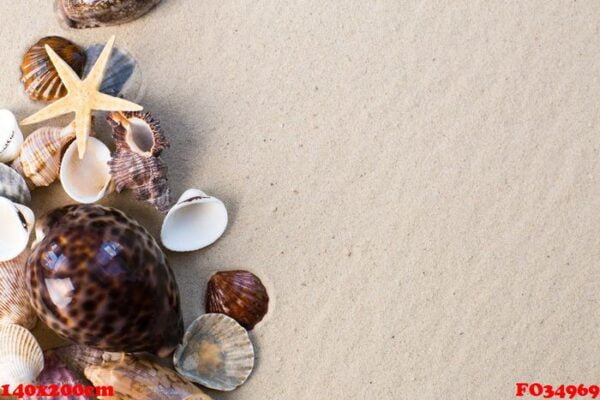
<point>134,378</point>
<point>137,132</point>
<point>238,294</point>
<point>82,14</point>
<point>38,74</point>
<point>17,223</point>
<point>216,352</point>
<point>86,180</point>
<point>13,185</point>
<point>11,137</point>
<point>196,221</point>
<point>55,372</point>
<point>41,153</point>
<point>122,77</point>
<point>15,307</point>
<point>21,358</point>
<point>77,358</point>
<point>98,278</point>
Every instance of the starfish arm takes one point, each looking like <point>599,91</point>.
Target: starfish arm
<point>83,128</point>
<point>56,109</point>
<point>68,77</point>
<point>105,102</point>
<point>96,75</point>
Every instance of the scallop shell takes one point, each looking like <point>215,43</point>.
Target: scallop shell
<point>13,185</point>
<point>15,306</point>
<point>87,179</point>
<point>41,154</point>
<point>135,378</point>
<point>17,224</point>
<point>21,358</point>
<point>195,222</point>
<point>38,74</point>
<point>11,137</point>
<point>98,278</point>
<point>55,372</point>
<point>94,13</point>
<point>122,76</point>
<point>216,352</point>
<point>238,294</point>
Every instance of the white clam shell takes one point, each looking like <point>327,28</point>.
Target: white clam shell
<point>13,185</point>
<point>196,221</point>
<point>21,358</point>
<point>86,180</point>
<point>216,352</point>
<point>11,137</point>
<point>17,223</point>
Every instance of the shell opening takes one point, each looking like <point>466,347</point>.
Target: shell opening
<point>140,137</point>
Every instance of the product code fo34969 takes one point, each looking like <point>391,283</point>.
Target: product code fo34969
<point>528,390</point>
<point>21,391</point>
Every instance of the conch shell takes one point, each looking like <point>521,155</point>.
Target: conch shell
<point>21,358</point>
<point>136,164</point>
<point>41,153</point>
<point>38,74</point>
<point>15,306</point>
<point>94,13</point>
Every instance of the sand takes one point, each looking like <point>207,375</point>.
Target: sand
<point>417,181</point>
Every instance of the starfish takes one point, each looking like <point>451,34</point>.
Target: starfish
<point>83,96</point>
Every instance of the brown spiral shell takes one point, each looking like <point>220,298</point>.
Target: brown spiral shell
<point>38,74</point>
<point>94,13</point>
<point>238,294</point>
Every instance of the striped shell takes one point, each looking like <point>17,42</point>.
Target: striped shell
<point>21,358</point>
<point>38,74</point>
<point>55,372</point>
<point>239,294</point>
<point>41,152</point>
<point>15,306</point>
<point>135,378</point>
<point>13,185</point>
<point>216,352</point>
<point>94,13</point>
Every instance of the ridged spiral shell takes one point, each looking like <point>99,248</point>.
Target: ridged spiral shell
<point>15,305</point>
<point>39,77</point>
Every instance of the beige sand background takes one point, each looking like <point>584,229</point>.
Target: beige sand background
<point>417,181</point>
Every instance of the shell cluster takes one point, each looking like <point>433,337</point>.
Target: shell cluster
<point>92,274</point>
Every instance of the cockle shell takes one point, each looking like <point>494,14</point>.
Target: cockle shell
<point>55,372</point>
<point>216,352</point>
<point>94,13</point>
<point>238,294</point>
<point>135,378</point>
<point>11,137</point>
<point>21,358</point>
<point>17,223</point>
<point>41,153</point>
<point>122,77</point>
<point>38,74</point>
<point>13,185</point>
<point>15,307</point>
<point>88,179</point>
<point>98,278</point>
<point>195,222</point>
<point>136,164</point>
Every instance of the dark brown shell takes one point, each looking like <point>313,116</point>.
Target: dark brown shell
<point>100,279</point>
<point>238,294</point>
<point>125,138</point>
<point>38,74</point>
<point>93,13</point>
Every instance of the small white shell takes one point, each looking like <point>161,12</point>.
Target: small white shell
<point>86,180</point>
<point>13,185</point>
<point>196,221</point>
<point>17,223</point>
<point>216,352</point>
<point>11,137</point>
<point>21,358</point>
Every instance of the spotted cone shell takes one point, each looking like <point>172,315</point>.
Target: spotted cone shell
<point>41,153</point>
<point>239,294</point>
<point>38,74</point>
<point>98,278</point>
<point>135,378</point>
<point>15,307</point>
